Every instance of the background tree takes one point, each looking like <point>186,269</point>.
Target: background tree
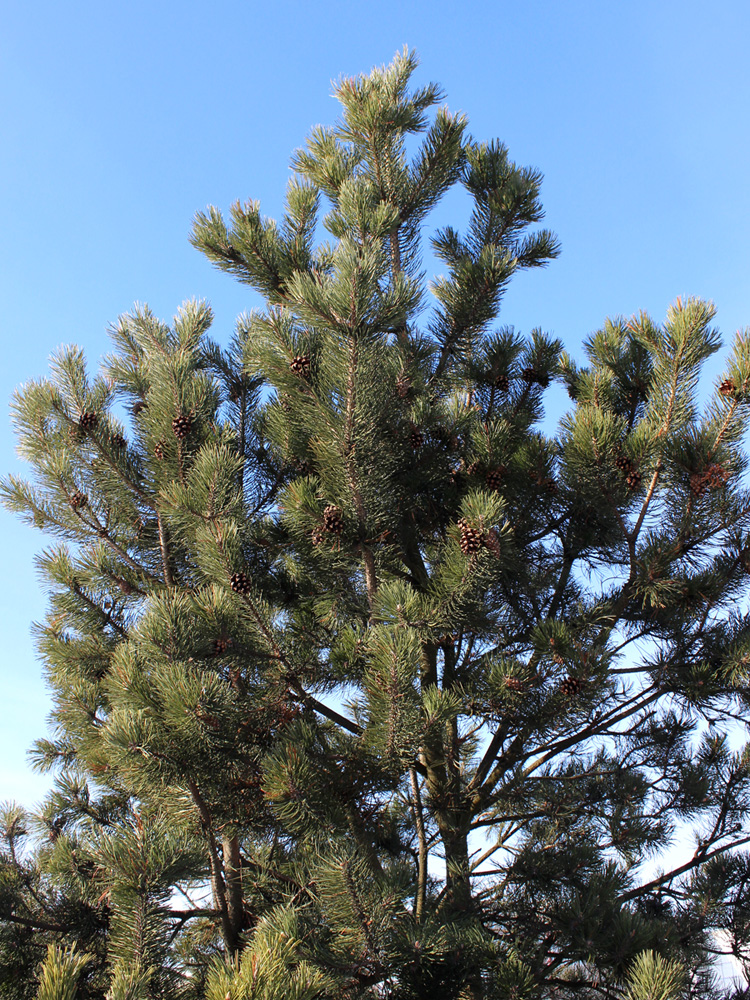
<point>364,684</point>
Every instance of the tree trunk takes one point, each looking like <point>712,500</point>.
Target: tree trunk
<point>230,847</point>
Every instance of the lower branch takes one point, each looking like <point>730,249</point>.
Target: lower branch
<point>217,876</point>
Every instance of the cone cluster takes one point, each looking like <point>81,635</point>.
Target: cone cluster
<point>628,468</point>
<point>300,364</point>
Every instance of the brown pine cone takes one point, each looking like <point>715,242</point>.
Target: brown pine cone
<point>240,583</point>
<point>138,407</point>
<point>182,425</point>
<point>416,438</point>
<point>698,485</point>
<point>403,385</point>
<point>221,645</point>
<point>118,441</point>
<point>570,687</point>
<point>88,420</point>
<point>728,387</point>
<point>502,382</point>
<point>316,535</point>
<point>471,538</point>
<point>491,542</point>
<point>159,450</point>
<point>494,478</point>
<point>514,684</point>
<point>332,520</point>
<point>532,377</point>
<point>623,463</point>
<point>473,469</point>
<point>633,479</point>
<point>300,365</point>
<point>716,476</point>
<point>78,500</point>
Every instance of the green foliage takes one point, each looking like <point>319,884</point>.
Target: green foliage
<point>654,978</point>
<point>59,976</point>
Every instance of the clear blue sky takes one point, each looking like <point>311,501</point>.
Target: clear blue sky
<point>120,121</point>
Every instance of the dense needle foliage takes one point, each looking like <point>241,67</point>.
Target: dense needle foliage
<point>366,683</point>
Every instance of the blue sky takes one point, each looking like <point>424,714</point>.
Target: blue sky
<point>120,121</point>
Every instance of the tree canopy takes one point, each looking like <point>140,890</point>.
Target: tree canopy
<point>366,683</point>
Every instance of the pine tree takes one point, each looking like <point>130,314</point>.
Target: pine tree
<point>366,685</point>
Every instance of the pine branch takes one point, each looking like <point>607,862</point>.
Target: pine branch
<point>421,894</point>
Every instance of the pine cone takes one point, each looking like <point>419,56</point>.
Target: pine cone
<point>240,583</point>
<point>570,687</point>
<point>221,645</point>
<point>316,535</point>
<point>491,542</point>
<point>139,407</point>
<point>623,463</point>
<point>300,365</point>
<point>550,486</point>
<point>633,479</point>
<point>159,450</point>
<point>532,377</point>
<point>416,438</point>
<point>716,476</point>
<point>494,478</point>
<point>78,500</point>
<point>514,684</point>
<point>332,520</point>
<point>728,387</point>
<point>713,477</point>
<point>473,469</point>
<point>502,382</point>
<point>118,441</point>
<point>471,538</point>
<point>698,485</point>
<point>88,420</point>
<point>182,425</point>
<point>403,385</point>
